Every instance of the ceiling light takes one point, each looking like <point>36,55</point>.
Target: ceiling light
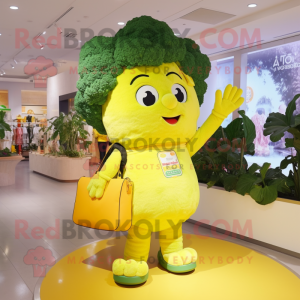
<point>252,5</point>
<point>121,23</point>
<point>58,28</point>
<point>15,62</point>
<point>176,33</point>
<point>12,66</point>
<point>42,46</point>
<point>0,34</point>
<point>14,7</point>
<point>2,71</point>
<point>44,32</point>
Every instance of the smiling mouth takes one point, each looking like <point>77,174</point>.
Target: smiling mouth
<point>172,120</point>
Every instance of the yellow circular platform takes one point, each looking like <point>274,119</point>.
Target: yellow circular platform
<point>225,271</point>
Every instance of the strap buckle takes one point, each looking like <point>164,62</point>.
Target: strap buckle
<point>129,185</point>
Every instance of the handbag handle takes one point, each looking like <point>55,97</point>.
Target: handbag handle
<point>123,157</point>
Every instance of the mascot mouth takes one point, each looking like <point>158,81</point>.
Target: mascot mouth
<point>172,120</point>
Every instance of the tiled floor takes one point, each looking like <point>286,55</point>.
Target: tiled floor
<point>38,201</point>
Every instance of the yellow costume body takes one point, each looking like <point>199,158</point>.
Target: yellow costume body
<point>159,203</point>
<point>165,201</point>
<point>101,138</point>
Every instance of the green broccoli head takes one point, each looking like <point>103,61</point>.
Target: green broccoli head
<point>144,41</point>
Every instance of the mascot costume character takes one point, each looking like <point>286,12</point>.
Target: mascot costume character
<point>143,88</point>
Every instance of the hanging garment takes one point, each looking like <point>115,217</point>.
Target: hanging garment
<point>25,137</point>
<point>19,136</point>
<point>29,118</point>
<point>30,134</point>
<point>14,135</point>
<point>36,135</point>
<point>8,139</point>
<point>261,142</point>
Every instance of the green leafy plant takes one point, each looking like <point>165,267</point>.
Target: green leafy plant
<point>69,128</point>
<point>276,125</point>
<point>222,162</point>
<point>5,152</point>
<point>33,147</point>
<point>87,144</point>
<point>71,153</point>
<point>264,186</point>
<point>3,125</point>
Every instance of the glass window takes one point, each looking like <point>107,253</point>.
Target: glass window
<point>225,73</point>
<point>220,76</point>
<point>273,79</point>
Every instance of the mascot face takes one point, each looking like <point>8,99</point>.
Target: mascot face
<point>152,105</point>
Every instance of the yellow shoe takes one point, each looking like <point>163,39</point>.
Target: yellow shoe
<point>182,261</point>
<point>130,272</point>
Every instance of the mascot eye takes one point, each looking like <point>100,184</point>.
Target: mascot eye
<point>179,92</point>
<point>146,95</point>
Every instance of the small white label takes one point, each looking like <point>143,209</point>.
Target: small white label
<point>169,163</point>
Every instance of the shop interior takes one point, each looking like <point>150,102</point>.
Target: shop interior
<point>245,227</point>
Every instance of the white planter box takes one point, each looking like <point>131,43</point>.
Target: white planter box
<point>277,223</point>
<point>7,169</point>
<point>59,168</point>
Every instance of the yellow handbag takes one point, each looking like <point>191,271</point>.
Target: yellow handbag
<point>113,211</point>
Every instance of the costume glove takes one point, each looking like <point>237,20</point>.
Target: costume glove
<point>230,101</point>
<point>109,170</point>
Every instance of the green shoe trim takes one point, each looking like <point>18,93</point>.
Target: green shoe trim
<point>130,280</point>
<point>175,269</point>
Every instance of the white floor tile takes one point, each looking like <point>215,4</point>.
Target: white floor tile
<point>13,287</point>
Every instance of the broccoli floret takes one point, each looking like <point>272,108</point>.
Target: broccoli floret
<point>144,41</point>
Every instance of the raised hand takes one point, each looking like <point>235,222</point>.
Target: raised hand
<point>230,101</point>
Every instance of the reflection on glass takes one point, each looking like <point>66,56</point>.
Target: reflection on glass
<point>273,80</point>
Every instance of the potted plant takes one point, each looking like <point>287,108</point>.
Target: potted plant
<point>5,152</point>
<point>222,162</point>
<point>3,127</point>
<point>68,128</point>
<point>276,125</point>
<point>64,162</point>
<point>221,168</point>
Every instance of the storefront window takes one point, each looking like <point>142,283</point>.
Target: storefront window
<point>225,73</point>
<point>273,79</point>
<point>221,74</point>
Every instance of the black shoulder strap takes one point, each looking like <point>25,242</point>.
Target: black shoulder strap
<point>123,157</point>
